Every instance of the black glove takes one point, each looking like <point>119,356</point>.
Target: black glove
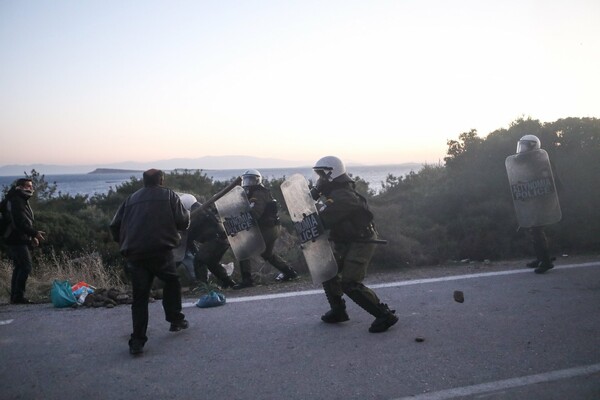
<point>314,193</point>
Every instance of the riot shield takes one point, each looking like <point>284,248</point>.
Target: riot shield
<point>307,223</point>
<point>242,230</point>
<point>533,189</point>
<point>179,252</point>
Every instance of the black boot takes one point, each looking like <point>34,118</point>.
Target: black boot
<point>287,272</point>
<point>533,264</point>
<point>287,276</point>
<point>334,316</point>
<point>227,283</point>
<point>543,267</point>
<point>246,273</point>
<point>242,285</point>
<point>384,317</point>
<point>221,273</point>
<point>338,308</point>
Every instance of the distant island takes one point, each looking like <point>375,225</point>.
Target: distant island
<point>112,171</point>
<point>207,163</point>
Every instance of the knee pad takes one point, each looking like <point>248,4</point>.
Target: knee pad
<point>350,287</point>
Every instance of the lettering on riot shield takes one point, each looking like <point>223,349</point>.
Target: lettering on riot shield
<point>523,191</point>
<point>310,228</point>
<point>239,223</point>
<point>533,188</point>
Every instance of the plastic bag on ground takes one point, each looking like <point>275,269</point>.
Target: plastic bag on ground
<point>61,294</point>
<point>212,299</point>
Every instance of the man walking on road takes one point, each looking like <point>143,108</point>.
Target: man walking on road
<point>146,227</point>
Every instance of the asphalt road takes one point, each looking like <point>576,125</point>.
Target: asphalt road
<point>517,335</point>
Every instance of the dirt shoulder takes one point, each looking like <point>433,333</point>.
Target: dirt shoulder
<point>401,274</point>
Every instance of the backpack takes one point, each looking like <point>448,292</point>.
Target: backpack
<point>5,218</point>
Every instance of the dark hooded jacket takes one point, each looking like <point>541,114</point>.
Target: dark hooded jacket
<point>21,228</point>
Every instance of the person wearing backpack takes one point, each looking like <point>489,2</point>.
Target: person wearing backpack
<point>20,236</point>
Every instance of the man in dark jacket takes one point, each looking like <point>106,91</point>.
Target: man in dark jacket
<point>146,227</point>
<point>264,211</point>
<point>20,237</point>
<point>346,215</point>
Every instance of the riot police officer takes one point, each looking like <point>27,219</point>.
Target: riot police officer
<point>208,240</point>
<point>264,210</point>
<point>346,215</point>
<point>527,145</point>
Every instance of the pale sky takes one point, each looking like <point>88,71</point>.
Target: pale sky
<point>375,82</point>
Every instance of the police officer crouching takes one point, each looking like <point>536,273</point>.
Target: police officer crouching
<point>350,222</point>
<point>264,210</point>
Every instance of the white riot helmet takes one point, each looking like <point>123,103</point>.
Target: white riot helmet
<point>329,168</point>
<point>528,143</point>
<point>187,200</point>
<point>251,178</point>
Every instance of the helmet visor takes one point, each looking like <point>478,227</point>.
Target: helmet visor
<point>324,174</point>
<point>525,145</point>
<point>250,180</point>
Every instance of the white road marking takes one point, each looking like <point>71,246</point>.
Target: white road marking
<point>398,284</point>
<point>482,388</point>
<point>265,297</point>
<point>6,322</point>
<point>507,383</point>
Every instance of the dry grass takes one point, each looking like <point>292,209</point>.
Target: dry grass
<point>88,268</point>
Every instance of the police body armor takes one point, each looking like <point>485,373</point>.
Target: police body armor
<point>533,188</point>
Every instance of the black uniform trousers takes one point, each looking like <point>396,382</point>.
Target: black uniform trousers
<point>270,235</point>
<point>208,258</point>
<point>143,272</point>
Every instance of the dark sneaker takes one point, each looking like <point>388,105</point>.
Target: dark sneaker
<point>543,268</point>
<point>538,263</point>
<point>290,276</point>
<point>22,300</point>
<point>335,316</point>
<point>135,348</point>
<point>179,325</point>
<point>242,285</point>
<point>384,322</point>
<point>229,283</point>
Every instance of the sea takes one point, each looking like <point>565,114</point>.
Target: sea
<point>100,183</point>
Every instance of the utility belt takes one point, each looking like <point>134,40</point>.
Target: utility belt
<point>367,232</point>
